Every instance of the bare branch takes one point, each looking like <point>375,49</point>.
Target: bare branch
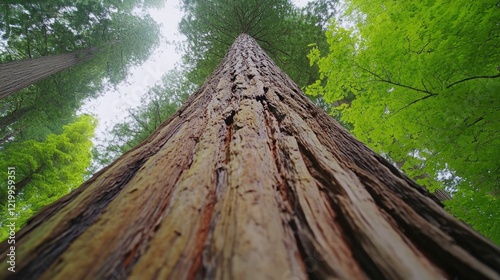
<point>472,78</point>
<point>476,121</point>
<point>411,103</point>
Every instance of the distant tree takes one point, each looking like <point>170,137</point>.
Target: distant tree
<point>420,83</point>
<point>159,103</point>
<point>46,170</point>
<point>19,74</point>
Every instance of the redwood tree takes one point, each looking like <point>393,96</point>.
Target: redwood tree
<point>16,75</point>
<point>250,180</point>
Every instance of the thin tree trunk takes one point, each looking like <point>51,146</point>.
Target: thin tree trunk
<point>7,137</point>
<point>442,195</point>
<point>250,180</point>
<point>14,116</point>
<point>19,74</point>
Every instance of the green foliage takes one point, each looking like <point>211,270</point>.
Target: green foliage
<point>46,170</point>
<point>419,82</point>
<point>156,106</point>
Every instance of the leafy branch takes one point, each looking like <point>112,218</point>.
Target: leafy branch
<point>380,79</point>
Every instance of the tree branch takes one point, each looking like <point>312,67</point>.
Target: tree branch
<point>472,78</point>
<point>411,103</point>
<point>380,79</point>
<point>476,121</point>
<point>139,121</point>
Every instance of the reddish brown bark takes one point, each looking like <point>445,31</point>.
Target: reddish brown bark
<point>250,180</point>
<point>19,74</point>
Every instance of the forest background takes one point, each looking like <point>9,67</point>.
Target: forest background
<point>418,83</point>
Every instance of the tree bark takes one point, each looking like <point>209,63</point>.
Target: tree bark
<point>442,195</point>
<point>250,180</point>
<point>16,75</point>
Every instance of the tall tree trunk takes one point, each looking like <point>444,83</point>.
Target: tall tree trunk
<point>19,74</point>
<point>250,180</point>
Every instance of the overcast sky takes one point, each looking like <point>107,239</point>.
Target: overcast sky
<point>112,106</point>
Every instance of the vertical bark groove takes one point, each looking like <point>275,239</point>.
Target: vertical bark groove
<point>250,180</point>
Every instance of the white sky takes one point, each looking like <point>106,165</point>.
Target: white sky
<point>111,107</point>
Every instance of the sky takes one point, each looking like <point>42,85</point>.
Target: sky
<point>111,107</point>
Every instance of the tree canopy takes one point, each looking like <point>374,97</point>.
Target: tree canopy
<point>419,82</point>
<point>45,171</point>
